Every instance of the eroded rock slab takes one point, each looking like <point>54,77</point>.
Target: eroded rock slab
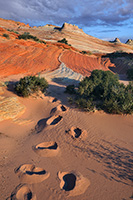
<point>10,108</point>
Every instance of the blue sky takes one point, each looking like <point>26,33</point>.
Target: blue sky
<point>104,19</point>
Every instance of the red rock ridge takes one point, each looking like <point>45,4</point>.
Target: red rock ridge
<point>85,64</point>
<point>29,57</point>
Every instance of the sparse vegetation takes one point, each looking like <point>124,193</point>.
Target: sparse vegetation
<point>11,30</point>
<point>27,35</point>
<point>6,35</point>
<point>102,90</point>
<point>64,41</point>
<point>85,52</point>
<point>29,85</point>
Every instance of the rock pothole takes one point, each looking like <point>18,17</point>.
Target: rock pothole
<point>22,192</point>
<point>46,149</point>
<point>59,108</point>
<point>53,100</point>
<point>28,173</point>
<point>73,183</point>
<point>54,120</point>
<point>70,181</point>
<point>76,132</point>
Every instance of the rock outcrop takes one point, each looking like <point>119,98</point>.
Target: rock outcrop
<point>117,40</point>
<point>71,28</point>
<point>129,42</point>
<point>28,57</point>
<point>10,108</point>
<point>74,35</point>
<point>85,64</point>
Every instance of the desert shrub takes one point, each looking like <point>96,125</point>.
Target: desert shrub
<point>30,84</point>
<point>70,89</point>
<point>130,74</point>
<point>84,104</point>
<point>6,35</point>
<point>11,30</point>
<point>97,85</point>
<point>102,90</point>
<point>27,35</point>
<point>120,101</point>
<point>84,52</point>
<point>64,41</point>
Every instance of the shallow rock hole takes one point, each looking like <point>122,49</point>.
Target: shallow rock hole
<point>78,132</point>
<point>28,196</point>
<point>63,108</point>
<point>37,173</point>
<point>70,181</point>
<point>54,146</point>
<point>54,100</point>
<point>56,120</point>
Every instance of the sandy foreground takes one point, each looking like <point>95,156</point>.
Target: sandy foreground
<point>56,152</point>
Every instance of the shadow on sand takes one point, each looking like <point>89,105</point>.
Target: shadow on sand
<point>117,160</point>
<point>41,124</point>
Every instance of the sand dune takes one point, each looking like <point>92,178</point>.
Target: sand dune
<point>98,152</point>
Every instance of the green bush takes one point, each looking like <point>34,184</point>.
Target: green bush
<point>102,90</point>
<point>6,35</point>
<point>64,41</point>
<point>30,84</point>
<point>97,85</point>
<point>11,30</point>
<point>27,35</point>
<point>85,104</point>
<point>83,52</point>
<point>70,89</point>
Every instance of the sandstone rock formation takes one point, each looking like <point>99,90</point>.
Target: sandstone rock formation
<point>129,42</point>
<point>10,108</point>
<point>72,33</point>
<point>71,28</point>
<point>28,57</point>
<point>117,40</point>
